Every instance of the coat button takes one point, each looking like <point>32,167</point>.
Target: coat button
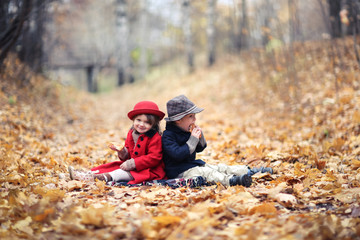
<point>142,138</point>
<point>138,146</point>
<point>136,153</point>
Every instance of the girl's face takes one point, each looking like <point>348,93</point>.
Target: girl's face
<point>142,124</point>
<point>186,121</point>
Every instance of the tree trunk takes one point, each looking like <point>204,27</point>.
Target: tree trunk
<point>244,26</point>
<point>291,63</point>
<point>353,8</point>
<point>188,34</point>
<point>266,27</point>
<point>143,39</point>
<point>122,36</point>
<point>32,37</point>
<point>91,79</point>
<point>13,31</point>
<point>210,30</point>
<point>4,16</point>
<point>335,23</point>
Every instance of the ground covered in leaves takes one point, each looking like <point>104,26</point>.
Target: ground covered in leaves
<point>310,138</point>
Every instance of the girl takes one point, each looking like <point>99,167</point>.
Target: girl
<point>141,157</point>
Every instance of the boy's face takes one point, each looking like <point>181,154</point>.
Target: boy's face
<point>186,121</point>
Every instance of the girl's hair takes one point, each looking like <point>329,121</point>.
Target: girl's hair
<point>153,120</point>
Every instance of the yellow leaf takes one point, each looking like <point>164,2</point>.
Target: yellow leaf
<point>338,143</point>
<point>356,117</point>
<point>98,217</point>
<point>24,225</point>
<point>53,195</point>
<point>167,220</point>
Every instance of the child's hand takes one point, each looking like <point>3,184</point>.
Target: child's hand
<point>128,165</point>
<point>195,131</point>
<point>114,146</point>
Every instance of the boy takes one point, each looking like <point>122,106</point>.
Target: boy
<point>181,142</point>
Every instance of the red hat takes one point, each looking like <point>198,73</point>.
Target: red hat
<point>146,107</point>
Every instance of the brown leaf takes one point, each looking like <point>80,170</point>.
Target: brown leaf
<point>355,164</point>
<point>74,185</point>
<point>287,200</point>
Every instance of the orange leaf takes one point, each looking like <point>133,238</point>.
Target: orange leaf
<point>355,164</point>
<point>265,208</point>
<point>42,217</point>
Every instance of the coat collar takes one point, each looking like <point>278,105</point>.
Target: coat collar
<point>149,133</point>
<point>173,127</point>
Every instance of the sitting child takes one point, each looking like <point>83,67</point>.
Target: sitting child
<point>141,157</point>
<point>182,139</point>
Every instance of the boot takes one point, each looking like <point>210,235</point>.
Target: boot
<point>195,182</point>
<point>243,180</point>
<point>103,177</point>
<point>260,169</point>
<point>80,176</point>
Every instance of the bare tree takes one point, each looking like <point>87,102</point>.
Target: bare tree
<point>291,59</point>
<point>353,11</point>
<point>266,23</point>
<point>31,39</point>
<point>335,23</point>
<point>143,41</point>
<point>210,30</point>
<point>186,8</point>
<point>122,36</point>
<point>244,26</point>
<point>11,33</point>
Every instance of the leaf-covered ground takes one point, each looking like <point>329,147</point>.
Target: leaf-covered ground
<point>310,136</point>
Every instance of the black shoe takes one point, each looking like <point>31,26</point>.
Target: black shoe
<point>243,180</point>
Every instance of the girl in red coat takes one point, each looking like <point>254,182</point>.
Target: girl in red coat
<point>141,157</point>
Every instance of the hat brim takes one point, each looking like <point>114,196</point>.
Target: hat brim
<point>136,112</point>
<point>183,114</point>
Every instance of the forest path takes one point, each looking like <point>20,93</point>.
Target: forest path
<point>104,117</point>
<point>314,149</point>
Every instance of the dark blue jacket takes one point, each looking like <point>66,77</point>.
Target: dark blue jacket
<point>176,153</point>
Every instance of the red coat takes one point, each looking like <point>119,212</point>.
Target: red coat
<point>147,154</point>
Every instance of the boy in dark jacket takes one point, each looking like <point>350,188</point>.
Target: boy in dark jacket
<point>182,139</point>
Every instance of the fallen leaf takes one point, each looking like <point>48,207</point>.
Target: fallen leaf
<point>263,209</point>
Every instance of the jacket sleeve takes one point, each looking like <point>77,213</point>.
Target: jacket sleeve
<point>202,144</point>
<point>154,155</point>
<point>173,149</point>
<point>124,154</point>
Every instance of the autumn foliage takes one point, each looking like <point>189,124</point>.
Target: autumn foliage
<point>311,139</point>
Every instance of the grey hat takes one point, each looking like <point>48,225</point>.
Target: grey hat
<point>179,107</point>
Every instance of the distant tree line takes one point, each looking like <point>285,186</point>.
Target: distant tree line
<point>23,30</point>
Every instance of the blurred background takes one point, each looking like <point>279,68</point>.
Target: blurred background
<point>100,45</point>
